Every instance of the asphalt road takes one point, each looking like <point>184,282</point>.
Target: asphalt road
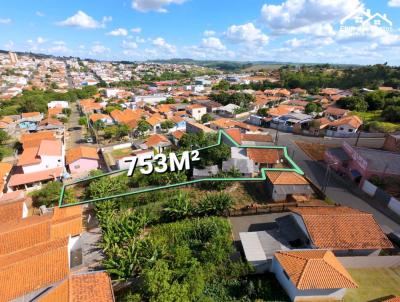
<point>336,189</point>
<point>75,137</point>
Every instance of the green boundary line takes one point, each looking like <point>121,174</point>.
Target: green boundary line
<point>221,133</point>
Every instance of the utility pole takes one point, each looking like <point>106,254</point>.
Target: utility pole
<point>358,137</point>
<point>277,136</point>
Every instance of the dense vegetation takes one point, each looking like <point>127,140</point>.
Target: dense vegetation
<point>387,102</point>
<point>313,78</point>
<point>241,99</point>
<point>37,100</point>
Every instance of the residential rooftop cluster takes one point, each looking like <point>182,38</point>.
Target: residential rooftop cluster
<point>65,120</point>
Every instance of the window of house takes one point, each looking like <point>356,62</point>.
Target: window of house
<point>341,128</point>
<point>350,130</point>
<point>77,166</point>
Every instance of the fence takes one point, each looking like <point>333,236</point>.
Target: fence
<point>370,261</point>
<point>389,201</point>
<point>265,209</point>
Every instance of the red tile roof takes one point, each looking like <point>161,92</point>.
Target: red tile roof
<point>264,156</point>
<point>286,178</point>
<point>314,269</point>
<point>342,228</point>
<point>83,287</point>
<point>81,152</point>
<point>33,268</point>
<point>27,178</point>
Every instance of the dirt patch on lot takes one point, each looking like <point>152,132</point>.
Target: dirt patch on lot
<point>313,150</point>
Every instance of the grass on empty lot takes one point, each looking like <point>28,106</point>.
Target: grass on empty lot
<point>373,118</point>
<point>119,153</point>
<point>373,283</point>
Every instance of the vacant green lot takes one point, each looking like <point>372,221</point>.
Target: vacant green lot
<point>373,118</point>
<point>374,284</point>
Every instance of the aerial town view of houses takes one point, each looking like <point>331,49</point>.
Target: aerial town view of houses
<point>205,179</point>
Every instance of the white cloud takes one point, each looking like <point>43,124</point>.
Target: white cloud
<point>129,44</point>
<point>9,45</point>
<point>98,49</point>
<point>162,44</point>
<point>40,14</point>
<point>297,15</point>
<point>209,33</point>
<point>5,21</point>
<point>40,40</point>
<point>82,20</point>
<point>136,30</point>
<point>213,43</point>
<point>118,32</point>
<point>394,3</point>
<point>154,5</point>
<point>140,40</point>
<point>309,43</point>
<point>246,34</point>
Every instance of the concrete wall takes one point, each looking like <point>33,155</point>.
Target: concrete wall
<point>83,165</point>
<point>48,162</point>
<point>369,188</point>
<point>370,261</point>
<point>304,295</point>
<point>394,205</point>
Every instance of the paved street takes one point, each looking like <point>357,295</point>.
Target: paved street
<point>73,137</point>
<point>336,190</point>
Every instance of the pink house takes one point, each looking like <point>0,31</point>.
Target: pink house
<point>82,160</point>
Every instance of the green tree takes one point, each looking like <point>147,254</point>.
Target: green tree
<point>375,100</point>
<point>83,121</point>
<point>167,125</point>
<point>49,195</point>
<point>122,130</point>
<point>99,125</point>
<point>4,137</point>
<point>222,85</point>
<point>143,126</point>
<point>206,118</point>
<point>263,112</point>
<point>110,132</point>
<point>313,108</point>
<point>214,204</point>
<point>178,207</point>
<point>391,114</point>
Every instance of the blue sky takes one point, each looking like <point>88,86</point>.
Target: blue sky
<point>270,30</point>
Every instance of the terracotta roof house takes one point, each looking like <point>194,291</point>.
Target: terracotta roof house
<point>156,141</point>
<point>36,116</point>
<point>105,118</point>
<point>11,210</point>
<point>194,127</point>
<point>41,160</point>
<point>177,135</point>
<point>82,159</point>
<point>5,169</point>
<point>283,185</point>
<point>335,113</point>
<point>155,121</point>
<point>196,111</point>
<point>394,299</point>
<point>33,139</point>
<point>265,158</point>
<point>343,230</point>
<point>345,126</point>
<point>83,287</point>
<point>247,139</point>
<point>88,106</point>
<point>312,275</point>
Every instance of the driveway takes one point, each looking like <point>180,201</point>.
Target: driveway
<point>337,190</point>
